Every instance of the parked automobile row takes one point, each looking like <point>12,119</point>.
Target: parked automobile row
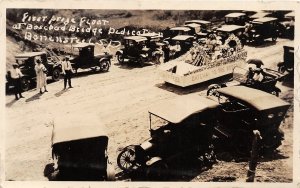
<point>181,129</point>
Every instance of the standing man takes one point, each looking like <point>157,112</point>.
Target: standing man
<point>16,76</point>
<point>67,71</point>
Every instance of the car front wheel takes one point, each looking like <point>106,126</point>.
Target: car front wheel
<point>104,65</point>
<point>120,58</point>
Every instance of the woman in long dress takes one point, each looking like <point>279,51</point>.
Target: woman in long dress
<point>41,77</point>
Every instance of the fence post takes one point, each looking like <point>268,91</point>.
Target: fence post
<point>254,157</point>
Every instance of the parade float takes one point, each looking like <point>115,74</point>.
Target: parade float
<point>205,61</point>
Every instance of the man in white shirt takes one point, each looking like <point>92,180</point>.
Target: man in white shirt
<point>67,71</point>
<point>16,76</point>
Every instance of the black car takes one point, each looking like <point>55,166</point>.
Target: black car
<point>79,149</point>
<point>85,58</point>
<point>236,18</point>
<point>262,29</point>
<point>139,49</point>
<point>288,60</point>
<point>180,131</point>
<point>26,62</point>
<point>242,110</point>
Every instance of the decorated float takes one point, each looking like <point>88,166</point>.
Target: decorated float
<point>205,61</point>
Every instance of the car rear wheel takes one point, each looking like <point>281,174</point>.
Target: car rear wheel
<point>272,140</point>
<point>25,84</point>
<point>104,65</point>
<point>141,61</point>
<point>56,74</point>
<point>243,142</point>
<point>157,171</point>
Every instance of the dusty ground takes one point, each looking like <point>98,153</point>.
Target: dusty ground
<point>121,98</point>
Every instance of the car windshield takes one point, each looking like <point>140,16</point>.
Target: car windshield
<point>157,122</point>
<point>75,51</point>
<point>240,74</point>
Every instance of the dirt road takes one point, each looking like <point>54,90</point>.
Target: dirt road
<point>121,98</point>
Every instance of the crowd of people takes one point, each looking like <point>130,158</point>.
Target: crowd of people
<point>41,76</point>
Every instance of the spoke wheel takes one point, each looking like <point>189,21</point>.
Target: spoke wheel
<point>281,69</point>
<point>212,91</point>
<point>56,74</point>
<point>120,58</point>
<point>272,140</point>
<point>127,159</point>
<point>104,65</point>
<point>25,84</point>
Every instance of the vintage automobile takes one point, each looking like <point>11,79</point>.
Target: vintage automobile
<point>288,60</point>
<point>236,18</point>
<point>180,130</point>
<point>205,26</point>
<point>26,62</point>
<point>226,30</point>
<point>242,110</point>
<point>86,59</point>
<point>240,76</point>
<point>180,44</point>
<point>139,49</point>
<point>175,31</point>
<point>287,25</point>
<point>79,149</point>
<point>198,30</point>
<point>263,28</point>
<point>259,14</point>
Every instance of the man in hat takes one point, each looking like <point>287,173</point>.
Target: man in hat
<point>67,72</point>
<point>16,76</point>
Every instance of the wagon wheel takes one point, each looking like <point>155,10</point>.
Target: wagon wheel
<point>243,142</point>
<point>157,171</point>
<point>127,159</point>
<point>104,65</point>
<point>25,84</point>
